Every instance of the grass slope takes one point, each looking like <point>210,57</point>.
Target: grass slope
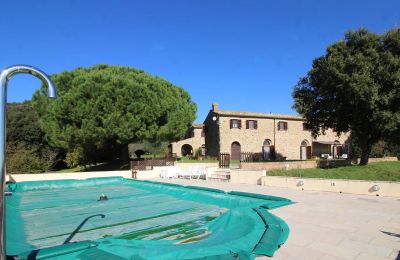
<point>381,171</point>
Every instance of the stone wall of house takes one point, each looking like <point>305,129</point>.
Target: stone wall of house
<point>287,142</point>
<point>195,142</point>
<point>251,140</point>
<point>332,136</point>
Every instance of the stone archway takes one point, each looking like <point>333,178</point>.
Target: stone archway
<point>305,150</point>
<point>337,149</point>
<point>235,151</point>
<point>186,150</point>
<point>139,153</point>
<point>267,151</point>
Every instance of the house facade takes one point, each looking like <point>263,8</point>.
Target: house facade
<point>271,136</point>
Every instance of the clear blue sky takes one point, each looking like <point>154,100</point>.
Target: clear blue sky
<point>246,55</point>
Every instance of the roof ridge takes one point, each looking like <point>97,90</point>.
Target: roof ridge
<point>259,114</point>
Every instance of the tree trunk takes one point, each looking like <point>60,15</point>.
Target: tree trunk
<point>120,154</point>
<point>124,155</point>
<point>365,151</point>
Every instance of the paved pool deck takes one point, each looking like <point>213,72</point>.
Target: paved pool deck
<point>327,225</point>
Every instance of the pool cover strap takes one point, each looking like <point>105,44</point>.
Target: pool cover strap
<point>275,235</point>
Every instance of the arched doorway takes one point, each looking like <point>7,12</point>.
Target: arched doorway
<point>305,150</point>
<point>267,149</point>
<point>337,149</point>
<point>187,149</point>
<point>235,151</point>
<point>139,153</point>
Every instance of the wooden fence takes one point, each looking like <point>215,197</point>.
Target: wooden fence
<point>224,160</point>
<point>149,164</point>
<point>246,157</point>
<point>250,157</point>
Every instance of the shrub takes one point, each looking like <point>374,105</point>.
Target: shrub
<point>24,159</point>
<point>75,158</point>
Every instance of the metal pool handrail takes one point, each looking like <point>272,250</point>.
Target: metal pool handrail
<point>5,76</point>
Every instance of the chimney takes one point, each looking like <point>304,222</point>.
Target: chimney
<point>215,107</point>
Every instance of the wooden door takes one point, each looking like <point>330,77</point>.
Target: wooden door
<point>339,150</point>
<point>308,152</point>
<point>235,151</point>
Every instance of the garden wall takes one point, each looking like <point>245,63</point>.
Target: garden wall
<point>289,165</point>
<point>240,176</point>
<point>69,175</point>
<point>384,159</point>
<point>285,165</point>
<point>333,185</point>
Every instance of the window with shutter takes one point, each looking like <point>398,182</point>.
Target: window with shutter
<point>236,123</point>
<point>282,125</point>
<point>251,124</point>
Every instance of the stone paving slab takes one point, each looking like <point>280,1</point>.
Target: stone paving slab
<point>326,225</point>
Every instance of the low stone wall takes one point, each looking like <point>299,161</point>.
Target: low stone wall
<point>69,175</point>
<point>187,165</point>
<point>152,174</point>
<point>285,165</point>
<point>240,176</point>
<point>140,175</point>
<point>288,165</point>
<point>332,185</point>
<point>384,159</point>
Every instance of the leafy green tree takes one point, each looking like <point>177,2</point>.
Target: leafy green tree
<point>22,158</point>
<point>27,150</point>
<point>379,149</point>
<point>74,158</point>
<point>23,125</point>
<point>103,108</point>
<point>355,87</point>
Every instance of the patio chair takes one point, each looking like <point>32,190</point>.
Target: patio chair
<point>172,172</point>
<point>199,173</point>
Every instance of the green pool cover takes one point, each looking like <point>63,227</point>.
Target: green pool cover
<point>64,219</point>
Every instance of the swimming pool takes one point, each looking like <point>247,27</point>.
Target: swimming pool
<point>64,219</point>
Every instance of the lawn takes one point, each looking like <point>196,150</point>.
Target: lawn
<point>381,171</point>
<point>205,160</point>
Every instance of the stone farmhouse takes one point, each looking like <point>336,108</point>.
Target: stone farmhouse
<point>270,136</point>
